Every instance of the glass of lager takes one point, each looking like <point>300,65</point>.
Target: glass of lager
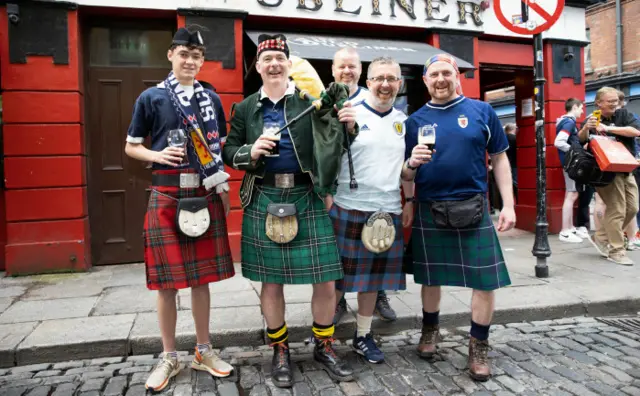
<point>178,138</point>
<point>269,129</point>
<point>427,136</point>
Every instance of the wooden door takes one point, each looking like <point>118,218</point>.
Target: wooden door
<point>119,185</point>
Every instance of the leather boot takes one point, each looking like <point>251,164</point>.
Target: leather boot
<point>429,341</point>
<point>337,368</point>
<point>281,374</point>
<point>479,368</point>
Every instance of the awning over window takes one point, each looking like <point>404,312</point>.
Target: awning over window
<point>313,46</point>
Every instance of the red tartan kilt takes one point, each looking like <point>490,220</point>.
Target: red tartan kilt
<point>176,261</point>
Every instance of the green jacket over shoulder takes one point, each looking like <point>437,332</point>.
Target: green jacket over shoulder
<point>318,139</point>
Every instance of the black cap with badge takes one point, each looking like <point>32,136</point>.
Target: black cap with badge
<point>184,37</point>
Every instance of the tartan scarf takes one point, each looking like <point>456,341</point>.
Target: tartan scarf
<point>203,145</point>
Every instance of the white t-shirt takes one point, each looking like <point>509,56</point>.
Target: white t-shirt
<point>188,90</point>
<point>360,95</point>
<point>378,155</point>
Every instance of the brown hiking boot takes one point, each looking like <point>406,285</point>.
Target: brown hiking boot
<point>479,368</point>
<point>429,341</point>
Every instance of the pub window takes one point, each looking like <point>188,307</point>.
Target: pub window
<point>587,53</point>
<point>129,47</point>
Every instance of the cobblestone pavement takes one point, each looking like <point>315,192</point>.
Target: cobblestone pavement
<point>572,356</point>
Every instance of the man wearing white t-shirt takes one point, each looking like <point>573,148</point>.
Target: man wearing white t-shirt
<point>347,69</point>
<point>369,220</point>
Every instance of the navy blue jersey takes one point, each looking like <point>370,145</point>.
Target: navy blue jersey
<point>287,162</point>
<point>466,130</point>
<point>568,125</point>
<point>154,115</point>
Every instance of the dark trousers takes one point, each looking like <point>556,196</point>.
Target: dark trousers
<point>583,218</point>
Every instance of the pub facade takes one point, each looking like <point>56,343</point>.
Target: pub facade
<point>71,71</point>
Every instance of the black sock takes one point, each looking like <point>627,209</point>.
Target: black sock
<point>479,331</point>
<point>279,335</point>
<point>430,318</point>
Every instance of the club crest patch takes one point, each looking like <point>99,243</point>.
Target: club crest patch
<point>463,121</point>
<point>398,127</point>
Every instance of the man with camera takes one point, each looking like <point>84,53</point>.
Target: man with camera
<point>621,195</point>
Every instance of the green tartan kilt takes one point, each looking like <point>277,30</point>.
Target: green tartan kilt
<point>467,257</point>
<point>312,257</point>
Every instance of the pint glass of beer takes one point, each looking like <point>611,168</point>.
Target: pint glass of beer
<point>427,136</point>
<point>269,129</point>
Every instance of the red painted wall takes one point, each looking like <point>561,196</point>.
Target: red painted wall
<point>229,85</point>
<point>555,96</point>
<point>45,164</point>
<point>3,128</point>
<point>493,52</point>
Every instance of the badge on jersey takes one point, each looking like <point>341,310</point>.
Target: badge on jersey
<point>398,127</point>
<point>463,121</point>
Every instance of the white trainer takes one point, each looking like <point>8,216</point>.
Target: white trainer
<point>582,232</point>
<point>570,237</point>
<point>166,369</point>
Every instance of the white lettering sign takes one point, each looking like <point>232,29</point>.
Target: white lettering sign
<point>464,15</point>
<point>315,41</point>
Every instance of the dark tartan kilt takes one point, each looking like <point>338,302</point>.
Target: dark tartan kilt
<point>311,257</point>
<point>365,271</point>
<point>466,257</point>
<point>176,261</point>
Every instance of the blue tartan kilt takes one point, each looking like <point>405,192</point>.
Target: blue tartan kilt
<point>365,271</point>
<point>466,257</point>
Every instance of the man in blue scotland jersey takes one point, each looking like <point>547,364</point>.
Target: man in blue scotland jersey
<point>454,241</point>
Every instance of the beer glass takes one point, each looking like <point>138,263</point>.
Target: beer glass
<point>178,138</point>
<point>427,136</point>
<point>269,129</point>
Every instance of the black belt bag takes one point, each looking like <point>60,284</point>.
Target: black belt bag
<point>458,214</point>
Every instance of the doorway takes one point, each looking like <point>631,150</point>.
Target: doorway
<point>122,60</point>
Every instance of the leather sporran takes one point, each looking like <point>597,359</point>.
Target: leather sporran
<point>379,232</point>
<point>282,222</point>
<point>458,214</point>
<point>192,216</point>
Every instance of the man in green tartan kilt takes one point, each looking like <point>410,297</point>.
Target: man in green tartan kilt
<point>453,241</point>
<point>287,235</point>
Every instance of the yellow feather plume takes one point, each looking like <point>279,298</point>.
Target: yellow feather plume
<point>305,76</point>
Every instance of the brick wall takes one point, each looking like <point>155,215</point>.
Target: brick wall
<point>601,20</point>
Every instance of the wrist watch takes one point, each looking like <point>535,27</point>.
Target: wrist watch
<point>409,166</point>
<point>409,199</point>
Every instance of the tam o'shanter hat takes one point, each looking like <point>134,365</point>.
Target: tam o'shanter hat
<point>444,58</point>
<point>184,37</point>
<point>277,42</point>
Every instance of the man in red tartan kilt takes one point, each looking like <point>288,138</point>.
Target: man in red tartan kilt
<point>185,231</point>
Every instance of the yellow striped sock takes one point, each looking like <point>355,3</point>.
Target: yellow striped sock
<point>320,331</point>
<point>278,335</point>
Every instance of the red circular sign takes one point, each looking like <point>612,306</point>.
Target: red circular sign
<point>549,19</point>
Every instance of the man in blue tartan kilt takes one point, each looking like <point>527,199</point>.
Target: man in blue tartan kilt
<point>358,215</point>
<point>287,235</point>
<point>454,242</point>
<point>346,69</point>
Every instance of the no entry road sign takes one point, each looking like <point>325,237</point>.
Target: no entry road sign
<point>542,15</point>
